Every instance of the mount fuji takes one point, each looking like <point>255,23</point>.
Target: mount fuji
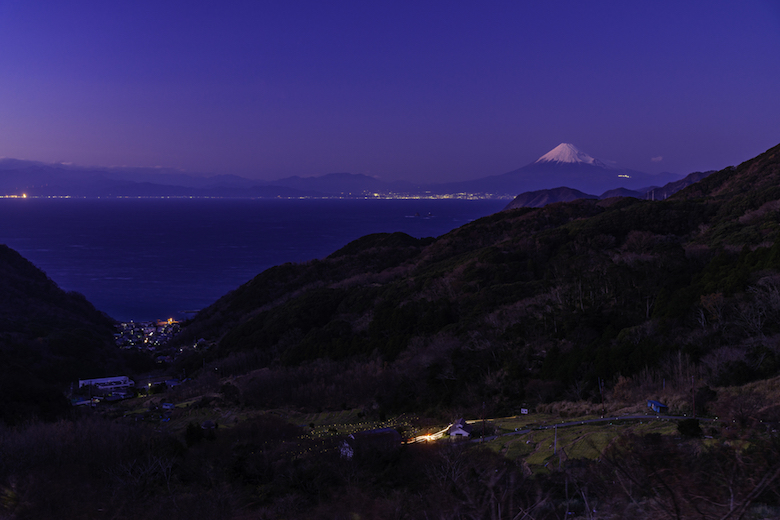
<point>568,153</point>
<point>566,166</point>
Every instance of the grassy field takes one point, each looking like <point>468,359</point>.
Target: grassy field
<point>539,448</point>
<point>346,422</point>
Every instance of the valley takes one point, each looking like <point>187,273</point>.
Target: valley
<point>579,313</point>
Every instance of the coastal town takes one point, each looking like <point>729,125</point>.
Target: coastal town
<point>151,337</point>
<point>146,335</point>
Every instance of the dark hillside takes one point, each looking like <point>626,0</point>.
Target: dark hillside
<point>537,199</point>
<point>31,303</point>
<point>747,199</point>
<point>527,305</point>
<point>355,264</point>
<point>48,339</point>
<point>754,175</point>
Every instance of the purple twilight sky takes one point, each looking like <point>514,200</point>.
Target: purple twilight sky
<point>427,91</point>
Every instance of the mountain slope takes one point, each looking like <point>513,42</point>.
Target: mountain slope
<point>48,339</point>
<point>537,199</point>
<point>568,166</point>
<point>564,165</point>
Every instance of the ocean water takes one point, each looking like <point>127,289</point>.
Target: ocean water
<point>144,259</point>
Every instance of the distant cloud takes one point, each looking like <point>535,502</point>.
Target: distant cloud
<point>657,159</point>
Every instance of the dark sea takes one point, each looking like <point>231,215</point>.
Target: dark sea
<point>145,259</point>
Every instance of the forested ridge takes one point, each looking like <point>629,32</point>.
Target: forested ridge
<point>555,298</point>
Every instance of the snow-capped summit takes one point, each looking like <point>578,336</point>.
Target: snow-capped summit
<point>568,153</point>
<point>566,166</point>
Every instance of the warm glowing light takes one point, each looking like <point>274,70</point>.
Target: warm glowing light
<point>24,195</point>
<point>429,437</point>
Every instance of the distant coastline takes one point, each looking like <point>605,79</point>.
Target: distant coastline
<point>367,196</point>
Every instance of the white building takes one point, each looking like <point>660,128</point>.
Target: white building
<point>460,429</point>
<point>108,383</point>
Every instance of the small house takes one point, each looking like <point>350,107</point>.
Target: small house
<point>459,429</point>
